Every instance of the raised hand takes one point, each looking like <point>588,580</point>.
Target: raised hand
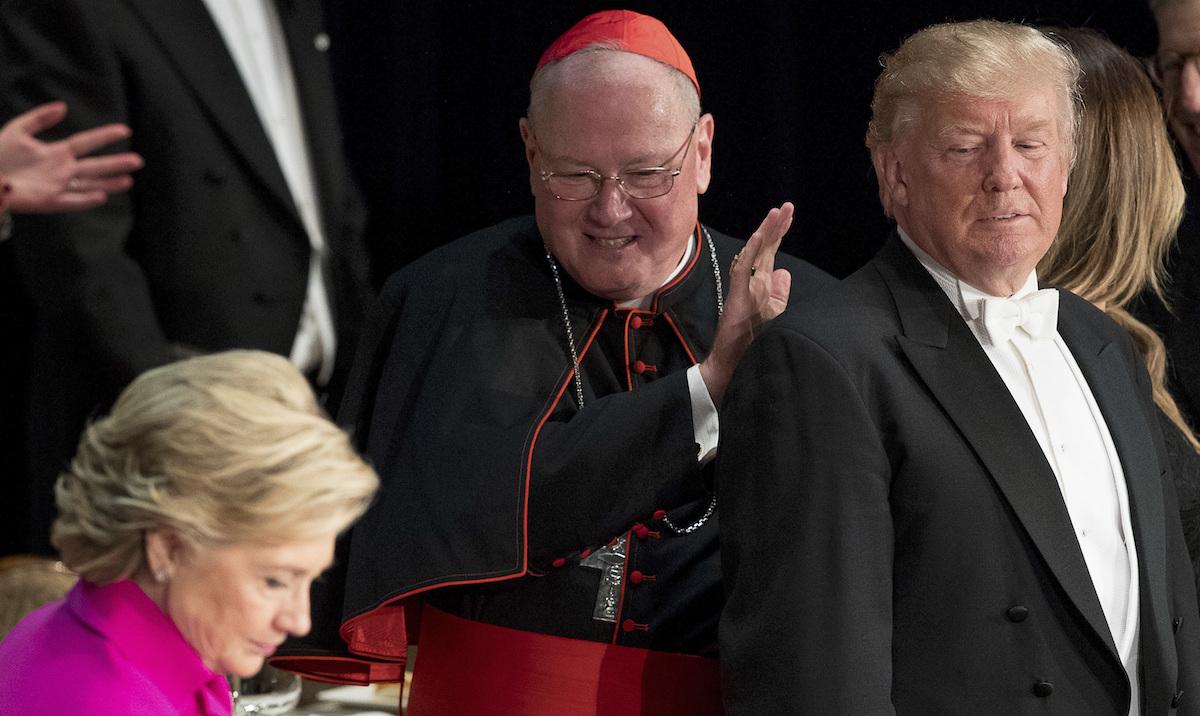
<point>757,293</point>
<point>49,177</point>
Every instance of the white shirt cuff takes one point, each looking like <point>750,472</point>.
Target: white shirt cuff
<point>704,416</point>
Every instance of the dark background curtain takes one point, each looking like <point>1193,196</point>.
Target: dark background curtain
<point>433,92</point>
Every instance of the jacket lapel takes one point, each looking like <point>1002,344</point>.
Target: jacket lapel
<point>950,361</point>
<point>1111,384</point>
<point>304,30</point>
<point>191,39</point>
<point>308,43</point>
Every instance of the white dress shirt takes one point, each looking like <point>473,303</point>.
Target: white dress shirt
<point>254,37</point>
<point>1048,387</point>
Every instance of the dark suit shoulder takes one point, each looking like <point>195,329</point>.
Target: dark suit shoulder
<point>845,317</point>
<point>514,243</point>
<point>1074,308</point>
<point>807,279</point>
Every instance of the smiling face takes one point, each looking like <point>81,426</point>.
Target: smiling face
<point>979,184</point>
<point>1178,41</point>
<point>236,604</point>
<point>612,112</point>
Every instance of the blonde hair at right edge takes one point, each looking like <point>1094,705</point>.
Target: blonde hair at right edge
<point>223,449</point>
<point>983,60</point>
<point>1124,201</point>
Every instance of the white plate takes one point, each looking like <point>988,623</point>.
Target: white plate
<point>362,696</point>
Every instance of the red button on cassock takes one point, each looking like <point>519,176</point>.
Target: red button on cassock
<point>660,514</point>
<point>635,322</point>
<point>559,562</point>
<point>628,625</point>
<point>639,367</point>
<point>641,530</point>
<point>635,576</point>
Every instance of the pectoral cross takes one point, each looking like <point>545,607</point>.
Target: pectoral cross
<point>610,560</point>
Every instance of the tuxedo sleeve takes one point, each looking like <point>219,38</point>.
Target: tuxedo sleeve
<point>78,265</point>
<point>806,537</point>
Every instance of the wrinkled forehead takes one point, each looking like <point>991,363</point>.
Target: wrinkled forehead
<point>1020,107</point>
<point>599,80</point>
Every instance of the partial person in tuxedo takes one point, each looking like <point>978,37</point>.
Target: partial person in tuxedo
<point>943,489</point>
<point>1176,69</point>
<point>40,177</point>
<point>243,231</point>
<point>1120,215</point>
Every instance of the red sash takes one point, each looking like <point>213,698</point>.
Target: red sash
<point>467,667</point>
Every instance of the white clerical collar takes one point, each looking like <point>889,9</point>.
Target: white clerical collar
<point>965,297</point>
<point>644,301</point>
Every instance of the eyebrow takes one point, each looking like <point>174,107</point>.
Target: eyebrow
<point>563,159</point>
<point>1036,125</point>
<point>292,570</point>
<point>639,162</point>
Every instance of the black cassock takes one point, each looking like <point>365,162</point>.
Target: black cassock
<point>496,486</point>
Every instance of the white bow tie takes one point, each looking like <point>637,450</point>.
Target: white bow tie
<point>1036,314</point>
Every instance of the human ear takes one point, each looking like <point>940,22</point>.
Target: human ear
<point>164,549</point>
<point>531,151</point>
<point>704,152</point>
<point>889,171</point>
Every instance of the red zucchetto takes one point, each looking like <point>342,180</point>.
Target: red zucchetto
<point>624,30</point>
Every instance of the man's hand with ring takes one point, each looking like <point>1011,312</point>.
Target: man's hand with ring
<point>757,293</point>
<point>49,177</point>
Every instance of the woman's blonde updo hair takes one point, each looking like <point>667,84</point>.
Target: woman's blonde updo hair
<point>221,449</point>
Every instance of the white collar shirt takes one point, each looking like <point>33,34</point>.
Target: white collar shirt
<point>254,36</point>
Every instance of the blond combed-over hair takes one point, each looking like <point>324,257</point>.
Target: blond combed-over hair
<point>1124,202</point>
<point>983,60</point>
<point>221,449</point>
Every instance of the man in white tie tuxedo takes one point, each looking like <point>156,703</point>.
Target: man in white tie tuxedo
<point>244,229</point>
<point>961,504</point>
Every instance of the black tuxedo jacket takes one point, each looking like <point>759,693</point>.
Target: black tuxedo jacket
<point>207,252</point>
<point>893,539</point>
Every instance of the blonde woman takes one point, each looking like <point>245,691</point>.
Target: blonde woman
<point>1123,206</point>
<point>197,514</point>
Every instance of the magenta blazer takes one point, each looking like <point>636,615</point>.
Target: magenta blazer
<point>106,651</point>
